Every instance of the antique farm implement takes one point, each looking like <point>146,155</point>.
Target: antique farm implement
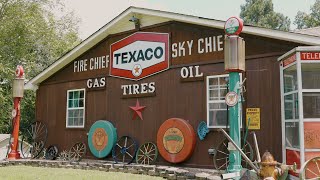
<point>263,168</point>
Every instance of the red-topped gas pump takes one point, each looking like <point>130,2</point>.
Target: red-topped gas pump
<point>18,87</point>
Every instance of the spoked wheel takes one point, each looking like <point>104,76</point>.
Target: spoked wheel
<point>310,169</point>
<point>52,152</point>
<point>9,145</point>
<point>77,151</point>
<point>221,157</point>
<point>147,154</point>
<point>124,150</point>
<point>34,140</point>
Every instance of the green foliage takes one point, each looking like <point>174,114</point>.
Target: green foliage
<point>31,35</point>
<point>304,20</point>
<point>260,13</point>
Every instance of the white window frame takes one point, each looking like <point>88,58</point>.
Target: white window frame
<point>208,101</point>
<point>83,108</point>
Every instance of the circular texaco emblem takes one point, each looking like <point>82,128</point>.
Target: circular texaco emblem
<point>137,70</point>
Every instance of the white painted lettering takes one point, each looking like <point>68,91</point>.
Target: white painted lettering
<point>198,74</point>
<point>220,43</point>
<point>200,49</point>
<point>184,72</point>
<point>190,46</point>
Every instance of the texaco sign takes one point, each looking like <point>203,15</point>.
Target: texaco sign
<point>139,55</point>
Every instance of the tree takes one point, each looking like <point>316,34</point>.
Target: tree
<point>304,20</point>
<point>261,13</point>
<point>31,35</point>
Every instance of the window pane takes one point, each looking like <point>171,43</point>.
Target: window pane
<point>311,105</point>
<point>222,106</point>
<point>70,121</point>
<point>81,113</point>
<point>292,134</point>
<point>310,75</point>
<point>76,103</point>
<point>81,94</point>
<point>70,103</point>
<point>76,95</point>
<point>71,113</point>
<point>214,94</point>
<point>291,104</point>
<point>81,103</point>
<point>222,81</point>
<point>70,95</point>
<point>213,81</point>
<point>80,121</point>
<point>290,79</point>
<point>223,93</point>
<point>217,117</point>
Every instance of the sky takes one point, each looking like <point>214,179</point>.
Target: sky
<point>93,14</point>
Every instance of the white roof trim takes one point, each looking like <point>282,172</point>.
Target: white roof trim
<point>103,32</point>
<point>300,49</point>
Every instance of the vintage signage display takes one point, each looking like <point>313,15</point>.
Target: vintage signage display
<point>94,63</point>
<point>310,55</point>
<point>289,60</point>
<point>205,45</point>
<point>233,26</point>
<point>191,71</point>
<point>139,55</point>
<point>173,140</point>
<point>96,82</point>
<point>143,88</point>
<point>101,138</point>
<point>176,140</point>
<point>231,98</point>
<point>254,115</point>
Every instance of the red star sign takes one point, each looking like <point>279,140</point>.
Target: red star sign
<point>137,110</point>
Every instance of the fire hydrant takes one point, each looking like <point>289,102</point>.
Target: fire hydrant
<point>271,169</point>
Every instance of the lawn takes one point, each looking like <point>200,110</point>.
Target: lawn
<point>38,173</point>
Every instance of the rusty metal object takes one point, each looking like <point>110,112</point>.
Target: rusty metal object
<point>269,168</point>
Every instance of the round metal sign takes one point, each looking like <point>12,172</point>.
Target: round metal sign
<point>233,26</point>
<point>101,138</point>
<point>176,140</point>
<point>14,113</point>
<point>231,98</point>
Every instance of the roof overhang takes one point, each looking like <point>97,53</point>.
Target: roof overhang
<point>150,17</point>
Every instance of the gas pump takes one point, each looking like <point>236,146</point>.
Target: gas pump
<point>18,87</point>
<point>234,55</point>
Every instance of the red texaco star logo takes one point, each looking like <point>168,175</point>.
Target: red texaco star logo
<point>137,110</point>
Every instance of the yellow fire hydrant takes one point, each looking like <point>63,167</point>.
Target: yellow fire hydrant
<point>269,168</point>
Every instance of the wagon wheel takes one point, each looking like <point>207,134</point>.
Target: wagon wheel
<point>52,152</point>
<point>36,136</point>
<point>9,145</point>
<point>77,151</point>
<point>221,157</point>
<point>63,156</point>
<point>124,150</point>
<point>147,154</point>
<point>310,169</point>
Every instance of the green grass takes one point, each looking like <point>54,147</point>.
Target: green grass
<point>39,173</point>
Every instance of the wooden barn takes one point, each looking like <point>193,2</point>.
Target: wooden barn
<point>148,73</point>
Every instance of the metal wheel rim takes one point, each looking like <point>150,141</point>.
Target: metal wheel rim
<point>221,157</point>
<point>314,172</point>
<point>147,154</point>
<point>77,151</point>
<point>124,150</point>
<point>52,153</point>
<point>36,136</point>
